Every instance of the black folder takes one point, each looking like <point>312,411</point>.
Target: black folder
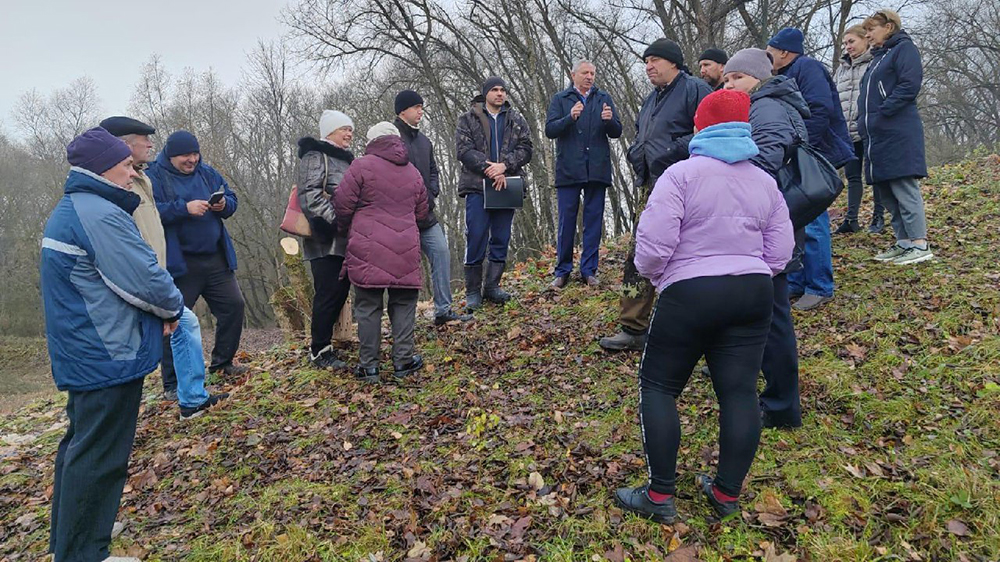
<point>512,197</point>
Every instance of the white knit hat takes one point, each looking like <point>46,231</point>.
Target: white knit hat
<point>381,129</point>
<point>332,120</point>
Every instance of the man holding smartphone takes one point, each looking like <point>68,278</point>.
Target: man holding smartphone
<point>200,253</point>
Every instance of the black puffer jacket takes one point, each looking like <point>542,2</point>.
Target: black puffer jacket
<point>421,155</point>
<point>472,141</point>
<point>321,167</point>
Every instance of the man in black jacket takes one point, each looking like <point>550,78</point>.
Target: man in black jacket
<point>665,126</point>
<point>409,107</point>
<point>493,142</point>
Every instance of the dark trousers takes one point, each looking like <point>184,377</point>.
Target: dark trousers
<point>856,185</point>
<point>486,230</point>
<point>330,295</point>
<point>725,319</point>
<point>402,309</point>
<point>209,276</point>
<point>638,294</point>
<point>780,399</point>
<point>91,469</point>
<point>593,222</point>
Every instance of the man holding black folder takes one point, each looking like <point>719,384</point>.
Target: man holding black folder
<point>493,143</point>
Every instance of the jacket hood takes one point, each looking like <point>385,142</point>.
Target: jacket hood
<point>865,57</point>
<point>163,160</point>
<point>85,181</point>
<point>309,144</point>
<point>480,100</point>
<point>729,142</point>
<point>784,89</point>
<point>389,147</point>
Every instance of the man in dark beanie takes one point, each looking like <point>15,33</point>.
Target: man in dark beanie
<point>712,62</point>
<point>193,200</point>
<point>409,107</point>
<point>665,125</point>
<point>492,142</point>
<point>107,305</point>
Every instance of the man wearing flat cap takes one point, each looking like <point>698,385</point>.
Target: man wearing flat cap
<point>665,125</point>
<point>711,64</point>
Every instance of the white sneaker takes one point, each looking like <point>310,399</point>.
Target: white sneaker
<point>122,559</point>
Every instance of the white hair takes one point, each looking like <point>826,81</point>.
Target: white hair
<point>581,62</point>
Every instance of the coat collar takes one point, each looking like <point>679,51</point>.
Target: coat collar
<point>309,144</point>
<point>81,180</point>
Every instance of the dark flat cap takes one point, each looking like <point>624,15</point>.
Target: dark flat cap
<point>120,126</point>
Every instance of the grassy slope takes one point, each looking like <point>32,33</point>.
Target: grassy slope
<point>510,442</point>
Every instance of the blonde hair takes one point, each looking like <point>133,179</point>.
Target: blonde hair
<point>858,30</point>
<point>884,17</point>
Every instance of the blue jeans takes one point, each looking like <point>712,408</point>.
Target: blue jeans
<point>816,275</point>
<point>593,220</point>
<point>486,230</point>
<point>435,247</point>
<point>189,363</point>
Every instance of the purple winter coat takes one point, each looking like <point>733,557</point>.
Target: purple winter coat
<point>707,217</point>
<point>378,203</point>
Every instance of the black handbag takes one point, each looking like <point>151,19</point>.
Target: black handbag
<point>809,183</point>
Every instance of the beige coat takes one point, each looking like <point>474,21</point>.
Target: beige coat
<point>147,218</point>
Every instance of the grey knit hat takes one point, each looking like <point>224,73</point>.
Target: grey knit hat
<point>753,62</point>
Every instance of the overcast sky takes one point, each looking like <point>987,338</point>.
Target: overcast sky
<point>46,44</point>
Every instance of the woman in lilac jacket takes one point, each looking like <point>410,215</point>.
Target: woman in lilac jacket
<point>714,231</point>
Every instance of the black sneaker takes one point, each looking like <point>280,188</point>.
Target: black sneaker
<point>193,412</point>
<point>369,375</point>
<point>327,359</point>
<point>723,509</point>
<point>769,422</point>
<point>451,316</point>
<point>415,365</point>
<point>230,370</point>
<point>848,227</point>
<point>170,395</point>
<point>637,501</point>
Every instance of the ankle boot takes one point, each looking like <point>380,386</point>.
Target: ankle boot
<point>473,287</point>
<point>491,289</point>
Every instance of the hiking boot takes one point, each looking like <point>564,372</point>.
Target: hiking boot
<point>230,370</point>
<point>369,375</point>
<point>723,509</point>
<point>892,253</point>
<point>415,365</point>
<point>491,286</point>
<point>451,316</point>
<point>914,255</point>
<point>810,302</point>
<point>170,395</point>
<point>473,287</point>
<point>636,500</point>
<point>878,224</point>
<point>849,226</point>
<point>195,411</point>
<point>769,422</point>
<point>327,359</point>
<point>624,341</point>
<point>560,281</point>
<point>592,281</point>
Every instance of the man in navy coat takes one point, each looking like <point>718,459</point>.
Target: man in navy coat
<point>581,118</point>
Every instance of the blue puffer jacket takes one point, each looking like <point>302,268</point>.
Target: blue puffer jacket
<point>826,124</point>
<point>888,119</point>
<point>104,295</point>
<point>185,233</point>
<point>583,154</point>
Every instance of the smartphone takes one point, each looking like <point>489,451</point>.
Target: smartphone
<point>217,197</point>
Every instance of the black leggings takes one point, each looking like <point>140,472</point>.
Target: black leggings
<point>726,319</point>
<point>331,294</point>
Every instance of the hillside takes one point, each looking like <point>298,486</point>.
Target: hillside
<point>508,445</point>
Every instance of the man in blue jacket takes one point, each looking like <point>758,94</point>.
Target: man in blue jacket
<point>828,134</point>
<point>107,305</point>
<point>581,118</point>
<point>193,200</point>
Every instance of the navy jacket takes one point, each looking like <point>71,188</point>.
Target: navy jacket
<point>777,118</point>
<point>104,293</point>
<point>826,124</point>
<point>421,154</point>
<point>188,234</point>
<point>888,119</point>
<point>665,126</point>
<point>583,154</point>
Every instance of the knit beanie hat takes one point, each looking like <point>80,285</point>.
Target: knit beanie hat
<point>722,106</point>
<point>788,39</point>
<point>753,62</point>
<point>714,55</point>
<point>332,120</point>
<point>665,49</point>
<point>381,129</point>
<point>493,82</point>
<point>181,142</point>
<point>97,151</point>
<point>407,99</point>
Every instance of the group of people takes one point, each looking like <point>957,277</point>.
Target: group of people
<point>134,243</point>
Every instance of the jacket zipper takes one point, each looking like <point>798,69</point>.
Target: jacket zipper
<point>868,155</point>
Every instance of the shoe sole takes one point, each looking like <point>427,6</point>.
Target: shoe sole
<point>651,516</point>
<point>197,414</point>
<point>891,258</point>
<point>618,348</point>
<point>928,257</point>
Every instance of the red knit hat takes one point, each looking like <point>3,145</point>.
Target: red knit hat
<point>722,106</point>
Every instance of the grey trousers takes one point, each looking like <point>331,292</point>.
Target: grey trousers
<point>902,198</point>
<point>402,315</point>
<point>435,247</point>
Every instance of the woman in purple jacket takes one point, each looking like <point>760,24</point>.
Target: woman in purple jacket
<point>714,231</point>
